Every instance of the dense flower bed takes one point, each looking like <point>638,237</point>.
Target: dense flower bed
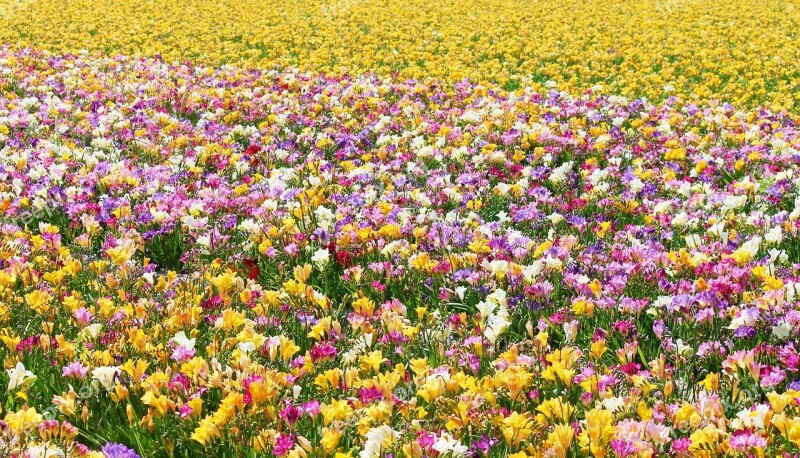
<point>740,51</point>
<point>228,262</point>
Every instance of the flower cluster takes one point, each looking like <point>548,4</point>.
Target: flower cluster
<point>739,51</point>
<point>200,261</point>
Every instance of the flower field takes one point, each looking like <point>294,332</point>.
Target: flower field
<point>741,51</point>
<point>253,229</point>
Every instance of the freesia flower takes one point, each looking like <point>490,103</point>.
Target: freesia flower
<point>19,377</point>
<point>114,450</point>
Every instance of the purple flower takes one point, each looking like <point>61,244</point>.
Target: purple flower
<point>483,445</point>
<point>112,450</point>
<point>745,332</point>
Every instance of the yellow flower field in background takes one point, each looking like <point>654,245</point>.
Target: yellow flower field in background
<point>738,51</point>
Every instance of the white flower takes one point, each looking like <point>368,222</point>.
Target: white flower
<point>734,202</point>
<point>795,214</point>
<point>750,418</point>
<point>613,404</point>
<point>486,308</point>
<point>746,317</point>
<point>553,263</point>
<point>106,375</point>
<point>377,439</point>
<point>781,330</point>
<point>249,226</point>
<point>245,347</point>
<point>498,297</point>
<point>570,330</point>
<point>496,266</point>
<point>495,313</point>
<point>19,377</point>
<point>662,207</point>
<point>471,117</point>
<point>693,241</point>
<point>559,174</point>
<point>325,217</point>
<point>752,246</point>
<point>680,220</point>
<point>93,330</point>
<point>532,271</point>
<point>683,350</point>
<point>204,240</point>
<point>792,291</point>
<point>181,340</point>
<point>778,256</point>
<point>717,229</point>
<point>555,218</point>
<point>446,445</point>
<point>774,236</point>
<point>321,258</point>
<point>636,185</point>
<point>194,223</point>
<point>496,325</point>
<point>44,451</point>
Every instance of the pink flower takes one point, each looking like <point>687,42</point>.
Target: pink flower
<point>82,316</point>
<point>185,411</point>
<point>76,370</point>
<point>181,354</point>
<point>283,443</point>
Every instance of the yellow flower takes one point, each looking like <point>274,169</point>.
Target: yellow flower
<point>121,254</point>
<point>477,41</point>
<point>605,226</point>
<point>206,431</point>
<point>364,306</point>
<point>336,410</point>
<point>779,401</point>
<point>330,439</point>
<point>321,329</point>
<point>515,379</point>
<point>329,379</point>
<point>372,361</point>
<point>432,389</point>
<point>554,410</point>
<point>706,441</point>
<point>711,382</point>
<point>600,430</point>
<point>516,428</point>
<point>38,300</point>
<point>583,307</point>
<point>677,154</point>
<point>66,403</point>
<point>597,348</point>
<point>560,439</point>
<point>225,282</point>
<point>23,420</point>
<point>793,431</point>
<point>161,404</point>
<point>544,246</point>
